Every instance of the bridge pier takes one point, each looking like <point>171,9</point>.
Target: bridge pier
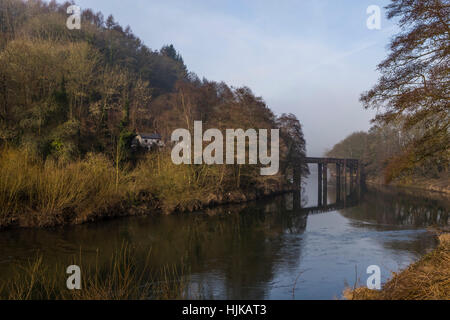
<point>343,166</point>
<point>345,178</point>
<point>319,184</point>
<point>338,182</point>
<point>325,184</point>
<point>358,172</point>
<point>351,178</point>
<point>358,177</point>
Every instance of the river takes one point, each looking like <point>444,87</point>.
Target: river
<point>268,249</point>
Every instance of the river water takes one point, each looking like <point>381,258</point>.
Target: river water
<point>276,248</point>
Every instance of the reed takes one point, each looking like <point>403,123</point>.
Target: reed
<point>43,193</point>
<point>124,276</point>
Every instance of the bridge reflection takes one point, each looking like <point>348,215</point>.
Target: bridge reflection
<point>350,200</point>
<point>349,177</point>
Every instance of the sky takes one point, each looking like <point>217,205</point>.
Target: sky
<point>312,58</point>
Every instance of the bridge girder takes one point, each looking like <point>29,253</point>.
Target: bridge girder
<point>348,162</point>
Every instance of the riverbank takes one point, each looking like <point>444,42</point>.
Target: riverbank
<point>441,185</point>
<point>427,279</point>
<point>37,193</point>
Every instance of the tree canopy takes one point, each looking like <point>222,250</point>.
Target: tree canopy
<point>65,93</point>
<point>414,86</point>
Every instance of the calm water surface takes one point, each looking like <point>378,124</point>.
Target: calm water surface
<point>271,249</point>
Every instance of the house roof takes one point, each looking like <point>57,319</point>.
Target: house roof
<point>150,136</point>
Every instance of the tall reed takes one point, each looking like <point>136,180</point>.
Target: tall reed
<point>41,193</point>
<point>124,276</point>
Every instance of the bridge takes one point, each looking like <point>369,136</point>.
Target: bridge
<point>348,175</point>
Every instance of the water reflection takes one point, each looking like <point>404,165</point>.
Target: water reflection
<point>389,207</point>
<point>257,250</point>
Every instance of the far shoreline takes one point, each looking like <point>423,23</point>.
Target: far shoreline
<point>148,209</point>
<point>430,186</point>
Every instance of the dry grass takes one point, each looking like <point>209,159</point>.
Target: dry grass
<point>427,279</point>
<point>176,187</point>
<point>47,193</point>
<point>38,193</point>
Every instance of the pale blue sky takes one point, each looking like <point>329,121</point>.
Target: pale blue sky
<point>312,58</point>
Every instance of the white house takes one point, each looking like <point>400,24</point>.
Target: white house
<point>148,140</point>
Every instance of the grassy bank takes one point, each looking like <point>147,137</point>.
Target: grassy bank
<point>38,193</point>
<point>427,279</point>
<point>441,185</point>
